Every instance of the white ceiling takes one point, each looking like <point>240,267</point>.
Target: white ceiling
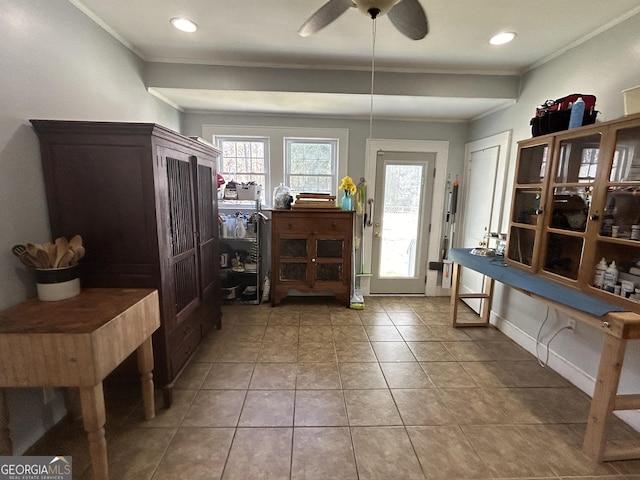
<point>260,35</point>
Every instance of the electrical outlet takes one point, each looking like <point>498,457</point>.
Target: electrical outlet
<point>571,325</point>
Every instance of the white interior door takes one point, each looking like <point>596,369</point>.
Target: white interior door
<point>482,202</point>
<point>401,222</point>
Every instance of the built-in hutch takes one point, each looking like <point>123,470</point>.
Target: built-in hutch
<point>576,200</point>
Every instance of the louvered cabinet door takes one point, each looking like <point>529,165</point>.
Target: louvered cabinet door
<point>182,274</point>
<point>207,214</point>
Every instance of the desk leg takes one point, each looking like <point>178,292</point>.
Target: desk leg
<point>93,415</point>
<point>145,367</point>
<point>604,396</point>
<point>486,302</point>
<point>6,447</point>
<point>455,290</point>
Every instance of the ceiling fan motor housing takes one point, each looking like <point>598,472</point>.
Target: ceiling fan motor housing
<point>374,8</point>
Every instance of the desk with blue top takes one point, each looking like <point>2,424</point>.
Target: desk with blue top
<point>617,324</point>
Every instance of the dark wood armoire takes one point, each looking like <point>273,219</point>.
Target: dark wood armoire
<point>143,198</point>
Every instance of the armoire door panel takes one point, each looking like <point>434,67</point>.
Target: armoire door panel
<point>180,205</point>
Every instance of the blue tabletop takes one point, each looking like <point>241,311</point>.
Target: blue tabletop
<point>495,268</point>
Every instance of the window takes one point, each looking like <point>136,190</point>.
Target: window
<point>321,156</point>
<point>311,165</point>
<point>244,159</point>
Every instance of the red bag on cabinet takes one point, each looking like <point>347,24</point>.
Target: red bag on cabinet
<point>553,115</point>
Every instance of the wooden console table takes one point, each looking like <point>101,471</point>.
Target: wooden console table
<point>76,343</point>
<point>619,326</point>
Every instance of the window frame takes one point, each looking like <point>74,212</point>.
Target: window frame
<point>218,139</point>
<point>334,142</point>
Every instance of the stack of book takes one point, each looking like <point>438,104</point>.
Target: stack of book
<point>314,200</point>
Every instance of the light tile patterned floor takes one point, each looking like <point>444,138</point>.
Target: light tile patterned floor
<point>312,390</point>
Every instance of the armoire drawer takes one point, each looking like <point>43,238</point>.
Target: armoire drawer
<point>184,330</point>
<point>182,352</point>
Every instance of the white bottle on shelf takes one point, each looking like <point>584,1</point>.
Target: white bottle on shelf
<point>611,277</point>
<point>598,278</point>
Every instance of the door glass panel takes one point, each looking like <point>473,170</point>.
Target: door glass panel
<point>626,158</point>
<point>570,208</point>
<point>293,271</point>
<point>622,210</point>
<point>578,159</point>
<point>400,220</point>
<point>532,164</point>
<point>521,241</point>
<point>293,247</point>
<point>329,272</point>
<point>527,206</point>
<point>563,255</point>
<point>329,248</point>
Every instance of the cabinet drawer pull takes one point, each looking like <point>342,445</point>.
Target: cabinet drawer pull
<point>594,217</point>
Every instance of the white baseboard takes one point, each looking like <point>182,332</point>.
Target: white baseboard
<point>560,365</point>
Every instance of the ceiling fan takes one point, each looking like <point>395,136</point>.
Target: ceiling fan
<point>407,16</point>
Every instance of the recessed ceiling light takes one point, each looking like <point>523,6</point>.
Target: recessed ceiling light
<point>184,24</point>
<point>502,38</point>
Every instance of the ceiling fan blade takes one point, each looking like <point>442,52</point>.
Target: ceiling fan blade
<point>324,16</point>
<point>409,18</point>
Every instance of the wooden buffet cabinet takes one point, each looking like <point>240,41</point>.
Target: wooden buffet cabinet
<point>570,189</point>
<point>143,198</point>
<point>311,252</point>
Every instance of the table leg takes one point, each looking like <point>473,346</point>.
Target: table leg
<point>93,415</point>
<point>145,367</point>
<point>604,395</point>
<point>6,446</point>
<point>455,289</point>
<point>486,302</point>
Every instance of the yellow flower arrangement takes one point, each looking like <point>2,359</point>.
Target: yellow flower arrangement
<point>347,185</point>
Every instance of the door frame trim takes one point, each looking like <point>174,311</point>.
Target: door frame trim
<point>441,150</point>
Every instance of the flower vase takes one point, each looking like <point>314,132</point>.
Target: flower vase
<point>346,201</point>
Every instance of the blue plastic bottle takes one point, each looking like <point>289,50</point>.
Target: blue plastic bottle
<point>577,114</point>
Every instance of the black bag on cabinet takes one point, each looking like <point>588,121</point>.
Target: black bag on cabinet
<point>553,115</point>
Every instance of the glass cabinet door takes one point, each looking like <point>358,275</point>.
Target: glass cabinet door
<point>618,238</point>
<point>568,204</point>
<point>526,208</point>
<point>293,260</point>
<point>329,260</point>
